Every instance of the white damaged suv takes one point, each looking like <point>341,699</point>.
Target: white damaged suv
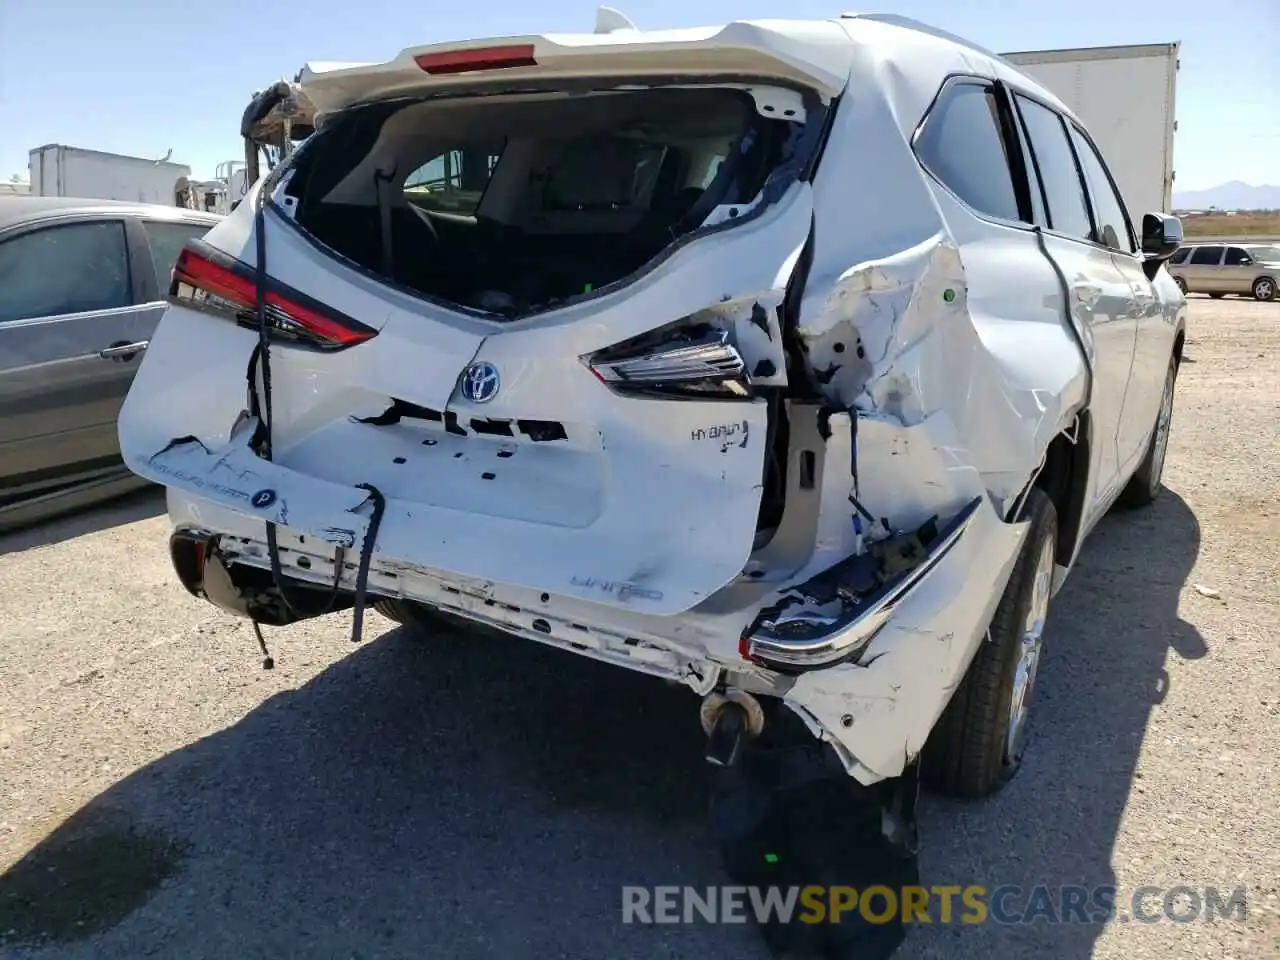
<point>788,360</point>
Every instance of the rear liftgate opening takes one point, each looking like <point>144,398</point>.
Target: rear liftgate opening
<point>786,815</point>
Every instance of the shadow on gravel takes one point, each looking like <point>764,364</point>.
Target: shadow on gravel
<point>478,796</point>
<point>68,524</point>
<point>1110,632</point>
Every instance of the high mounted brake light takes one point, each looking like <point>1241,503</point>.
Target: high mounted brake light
<point>477,58</point>
<point>211,281</point>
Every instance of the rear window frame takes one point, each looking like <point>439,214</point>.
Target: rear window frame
<point>801,167</point>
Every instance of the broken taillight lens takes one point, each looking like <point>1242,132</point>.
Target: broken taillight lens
<point>684,361</point>
<point>477,58</point>
<point>209,280</point>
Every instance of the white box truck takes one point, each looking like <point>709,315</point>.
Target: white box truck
<point>1125,96</point>
<point>62,171</point>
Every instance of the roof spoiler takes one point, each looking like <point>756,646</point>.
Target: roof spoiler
<point>612,20</point>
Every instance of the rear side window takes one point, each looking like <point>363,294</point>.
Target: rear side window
<point>1236,257</point>
<point>453,181</point>
<point>166,241</point>
<point>1207,256</point>
<point>1108,208</point>
<point>1064,191</point>
<point>68,269</point>
<point>961,144</point>
<point>1180,255</point>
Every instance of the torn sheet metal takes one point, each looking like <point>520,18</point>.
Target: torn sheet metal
<point>757,335</point>
<point>235,478</point>
<point>907,474</point>
<point>449,503</point>
<point>896,338</point>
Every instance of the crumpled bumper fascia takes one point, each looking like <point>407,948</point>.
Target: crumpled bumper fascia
<point>776,643</point>
<point>877,708</point>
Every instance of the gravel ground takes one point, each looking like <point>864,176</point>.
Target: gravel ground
<point>161,795</point>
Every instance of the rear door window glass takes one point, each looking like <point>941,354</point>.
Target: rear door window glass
<point>961,144</point>
<point>1206,256</point>
<point>166,241</point>
<point>1108,208</point>
<point>74,268</point>
<point>1064,190</point>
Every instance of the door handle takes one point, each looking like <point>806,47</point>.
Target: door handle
<point>123,350</point>
<point>1143,299</point>
<point>1088,293</point>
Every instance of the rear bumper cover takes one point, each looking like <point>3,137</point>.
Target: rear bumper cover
<point>873,687</point>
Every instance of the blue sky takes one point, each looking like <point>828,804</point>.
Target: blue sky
<point>143,76</point>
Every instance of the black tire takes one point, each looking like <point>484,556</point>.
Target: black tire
<point>1182,285</point>
<point>420,620</point>
<point>1264,288</point>
<point>968,753</point>
<point>1147,481</point>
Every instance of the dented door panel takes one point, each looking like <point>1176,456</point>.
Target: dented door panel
<point>1103,301</point>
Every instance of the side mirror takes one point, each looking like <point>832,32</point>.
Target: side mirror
<point>1161,235</point>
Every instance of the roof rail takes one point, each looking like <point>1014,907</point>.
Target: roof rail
<point>907,23</point>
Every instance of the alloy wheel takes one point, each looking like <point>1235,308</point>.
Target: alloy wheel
<point>1029,653</point>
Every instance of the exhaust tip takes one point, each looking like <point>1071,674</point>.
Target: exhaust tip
<point>189,551</point>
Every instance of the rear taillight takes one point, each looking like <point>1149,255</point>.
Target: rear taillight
<point>684,361</point>
<point>211,281</point>
<point>477,58</point>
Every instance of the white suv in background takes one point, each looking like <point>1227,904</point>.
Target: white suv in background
<point>788,360</point>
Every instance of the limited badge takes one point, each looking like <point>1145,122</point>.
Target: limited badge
<point>263,498</point>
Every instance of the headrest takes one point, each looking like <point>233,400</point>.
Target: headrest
<point>592,173</point>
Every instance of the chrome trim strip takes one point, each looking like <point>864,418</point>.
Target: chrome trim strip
<point>848,637</point>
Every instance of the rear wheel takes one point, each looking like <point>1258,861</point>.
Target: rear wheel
<point>1264,288</point>
<point>421,620</point>
<point>1147,481</point>
<point>980,738</point>
<point>1182,284</point>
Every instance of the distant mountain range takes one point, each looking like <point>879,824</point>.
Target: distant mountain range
<point>1230,196</point>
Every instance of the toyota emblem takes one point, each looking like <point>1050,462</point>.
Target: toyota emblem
<point>480,382</point>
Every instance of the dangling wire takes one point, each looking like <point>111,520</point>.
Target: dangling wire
<point>366,557</point>
<point>260,406</point>
<point>268,661</point>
